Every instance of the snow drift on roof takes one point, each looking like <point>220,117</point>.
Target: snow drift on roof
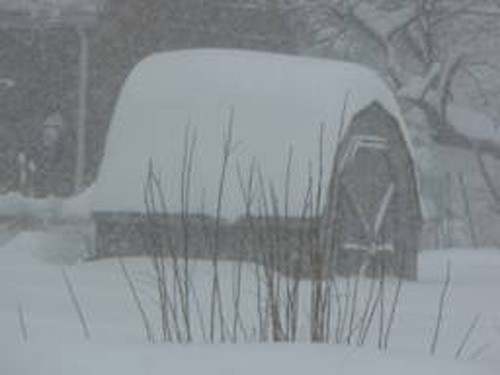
<point>474,124</point>
<point>279,104</point>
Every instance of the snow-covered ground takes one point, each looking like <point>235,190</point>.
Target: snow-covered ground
<point>221,360</point>
<point>32,289</point>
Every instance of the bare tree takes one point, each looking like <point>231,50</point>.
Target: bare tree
<point>438,56</point>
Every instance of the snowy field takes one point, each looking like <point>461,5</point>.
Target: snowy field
<point>34,296</point>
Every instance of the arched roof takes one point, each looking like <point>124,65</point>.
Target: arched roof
<point>277,106</point>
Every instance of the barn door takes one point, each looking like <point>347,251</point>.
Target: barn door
<point>367,191</point>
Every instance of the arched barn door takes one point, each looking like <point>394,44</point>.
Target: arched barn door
<point>367,206</point>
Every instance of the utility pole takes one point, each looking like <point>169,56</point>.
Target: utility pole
<point>81,132</point>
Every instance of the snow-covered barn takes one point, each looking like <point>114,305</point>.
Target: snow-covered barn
<point>304,137</point>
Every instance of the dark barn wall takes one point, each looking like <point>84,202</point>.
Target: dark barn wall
<point>284,244</point>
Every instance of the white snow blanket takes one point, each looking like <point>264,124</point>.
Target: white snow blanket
<point>15,204</point>
<point>473,123</point>
<point>31,280</point>
<point>274,104</point>
<point>222,360</point>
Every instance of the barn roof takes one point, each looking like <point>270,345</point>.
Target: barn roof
<point>276,103</point>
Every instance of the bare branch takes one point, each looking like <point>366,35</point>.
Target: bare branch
<point>439,318</point>
<point>451,137</point>
<point>449,72</point>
